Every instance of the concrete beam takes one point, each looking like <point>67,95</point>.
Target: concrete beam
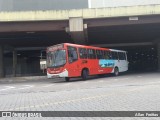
<point>1,62</point>
<point>101,22</point>
<point>123,44</point>
<point>31,27</point>
<point>30,48</point>
<point>8,48</point>
<point>85,13</point>
<point>77,31</point>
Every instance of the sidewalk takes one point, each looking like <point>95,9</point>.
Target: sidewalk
<point>21,79</point>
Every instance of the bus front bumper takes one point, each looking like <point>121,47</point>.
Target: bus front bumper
<point>62,74</point>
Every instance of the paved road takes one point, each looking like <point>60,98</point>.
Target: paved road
<point>128,92</point>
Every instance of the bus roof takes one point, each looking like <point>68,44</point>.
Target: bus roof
<point>87,46</point>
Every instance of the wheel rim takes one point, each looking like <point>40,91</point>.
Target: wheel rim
<point>116,71</point>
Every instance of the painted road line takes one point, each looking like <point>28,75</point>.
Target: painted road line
<point>7,88</point>
<point>48,85</point>
<point>26,87</point>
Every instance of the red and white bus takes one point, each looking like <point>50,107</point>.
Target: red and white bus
<point>72,60</point>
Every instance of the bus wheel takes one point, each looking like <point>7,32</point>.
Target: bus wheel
<point>116,71</point>
<point>84,74</point>
<point>67,79</point>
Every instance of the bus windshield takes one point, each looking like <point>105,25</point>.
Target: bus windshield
<point>56,58</point>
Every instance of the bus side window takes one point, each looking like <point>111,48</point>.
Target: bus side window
<point>124,56</point>
<point>121,55</point>
<point>110,55</point>
<point>91,53</point>
<point>117,56</point>
<point>82,53</point>
<point>94,54</point>
<point>99,54</point>
<point>102,54</point>
<point>106,55</point>
<point>72,54</point>
<point>114,55</point>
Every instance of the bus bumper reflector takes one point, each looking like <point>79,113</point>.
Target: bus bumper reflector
<point>62,74</point>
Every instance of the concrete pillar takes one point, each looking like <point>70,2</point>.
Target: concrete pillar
<point>14,62</point>
<point>1,62</point>
<point>158,53</point>
<point>78,30</point>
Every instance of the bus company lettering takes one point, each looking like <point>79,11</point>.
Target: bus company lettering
<point>106,63</point>
<point>26,114</point>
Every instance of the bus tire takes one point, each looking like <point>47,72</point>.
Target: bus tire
<point>67,79</point>
<point>84,74</point>
<point>116,71</point>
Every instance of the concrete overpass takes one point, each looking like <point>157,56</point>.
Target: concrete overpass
<point>122,26</point>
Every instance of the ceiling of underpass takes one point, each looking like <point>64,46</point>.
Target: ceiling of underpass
<point>140,57</point>
<point>96,35</point>
<point>34,39</point>
<point>124,34</point>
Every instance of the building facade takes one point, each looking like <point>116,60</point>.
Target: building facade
<point>120,3</point>
<point>31,5</point>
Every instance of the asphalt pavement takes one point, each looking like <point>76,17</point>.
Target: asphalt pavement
<point>127,92</point>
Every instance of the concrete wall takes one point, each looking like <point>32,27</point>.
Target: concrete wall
<point>28,5</point>
<point>117,3</point>
<point>85,13</point>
